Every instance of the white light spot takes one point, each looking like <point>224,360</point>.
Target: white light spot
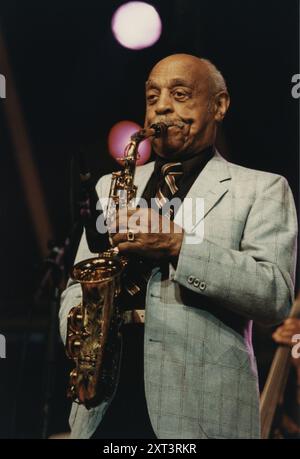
<point>136,25</point>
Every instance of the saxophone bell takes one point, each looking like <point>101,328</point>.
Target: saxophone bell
<point>93,338</point>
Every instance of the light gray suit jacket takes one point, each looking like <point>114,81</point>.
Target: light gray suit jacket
<point>199,368</point>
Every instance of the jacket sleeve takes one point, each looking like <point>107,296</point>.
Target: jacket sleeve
<point>256,281</point>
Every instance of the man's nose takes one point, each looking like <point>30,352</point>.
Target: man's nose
<point>164,104</point>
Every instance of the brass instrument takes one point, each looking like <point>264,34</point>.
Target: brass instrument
<point>93,332</point>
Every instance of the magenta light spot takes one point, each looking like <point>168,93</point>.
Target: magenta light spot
<point>119,137</point>
<point>136,25</point>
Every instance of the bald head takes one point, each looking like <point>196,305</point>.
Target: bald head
<point>189,90</point>
<point>184,59</point>
<point>204,70</point>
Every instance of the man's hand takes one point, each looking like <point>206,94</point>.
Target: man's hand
<point>284,333</point>
<point>155,236</point>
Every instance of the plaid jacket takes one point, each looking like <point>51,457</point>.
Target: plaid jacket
<point>199,368</point>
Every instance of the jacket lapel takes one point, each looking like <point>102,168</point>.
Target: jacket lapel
<point>210,185</point>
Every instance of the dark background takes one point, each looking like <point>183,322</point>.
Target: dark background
<point>74,81</point>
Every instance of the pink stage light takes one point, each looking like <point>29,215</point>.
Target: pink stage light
<point>119,137</point>
<point>136,25</point>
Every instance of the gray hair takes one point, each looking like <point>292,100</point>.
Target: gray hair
<point>217,80</point>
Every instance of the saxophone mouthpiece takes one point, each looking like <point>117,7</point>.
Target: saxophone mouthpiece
<point>156,130</point>
<point>161,128</point>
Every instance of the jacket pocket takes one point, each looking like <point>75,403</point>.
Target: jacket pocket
<point>229,403</point>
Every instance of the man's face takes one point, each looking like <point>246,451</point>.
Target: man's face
<point>178,90</point>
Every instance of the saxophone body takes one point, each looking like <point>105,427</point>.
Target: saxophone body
<point>94,340</point>
<point>93,336</point>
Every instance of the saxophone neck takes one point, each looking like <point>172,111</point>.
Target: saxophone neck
<point>131,154</point>
<point>123,181</point>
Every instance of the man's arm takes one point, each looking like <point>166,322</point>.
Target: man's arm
<point>257,281</point>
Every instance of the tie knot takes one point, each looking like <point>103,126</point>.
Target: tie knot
<point>174,169</point>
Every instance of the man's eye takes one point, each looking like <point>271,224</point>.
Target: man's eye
<point>180,95</point>
<point>152,98</point>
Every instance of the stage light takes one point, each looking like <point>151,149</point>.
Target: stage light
<point>119,137</point>
<point>136,25</point>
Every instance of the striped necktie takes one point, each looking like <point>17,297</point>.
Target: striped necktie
<point>170,173</point>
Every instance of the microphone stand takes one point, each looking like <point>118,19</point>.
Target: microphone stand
<point>53,278</point>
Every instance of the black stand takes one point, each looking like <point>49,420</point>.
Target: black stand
<point>51,282</point>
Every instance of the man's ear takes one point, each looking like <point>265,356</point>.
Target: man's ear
<point>222,102</point>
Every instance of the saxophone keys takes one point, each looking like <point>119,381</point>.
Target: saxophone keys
<point>74,346</point>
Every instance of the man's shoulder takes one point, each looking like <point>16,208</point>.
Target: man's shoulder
<point>242,174</point>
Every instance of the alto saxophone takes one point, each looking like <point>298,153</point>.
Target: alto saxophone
<point>93,331</point>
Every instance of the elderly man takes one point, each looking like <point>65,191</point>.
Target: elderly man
<point>195,358</point>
